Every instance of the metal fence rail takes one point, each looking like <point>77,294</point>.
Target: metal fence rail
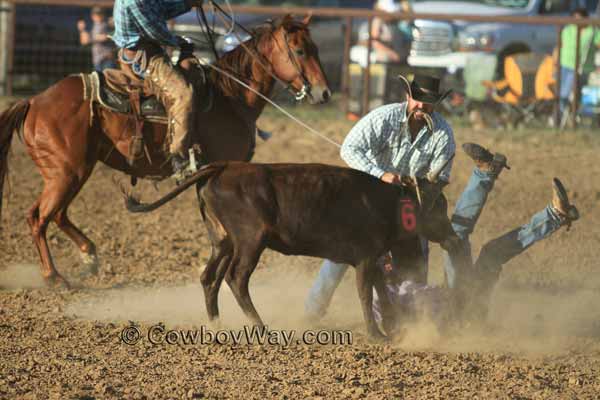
<point>41,48</point>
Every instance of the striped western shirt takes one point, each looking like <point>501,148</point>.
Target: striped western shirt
<point>137,19</point>
<point>381,142</point>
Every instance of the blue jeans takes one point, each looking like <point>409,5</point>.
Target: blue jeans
<point>466,214</point>
<point>499,251</point>
<point>567,82</point>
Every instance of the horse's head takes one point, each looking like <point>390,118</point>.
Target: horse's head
<point>295,60</point>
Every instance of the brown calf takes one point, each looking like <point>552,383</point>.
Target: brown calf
<point>304,209</point>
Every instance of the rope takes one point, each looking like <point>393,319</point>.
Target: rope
<point>284,111</point>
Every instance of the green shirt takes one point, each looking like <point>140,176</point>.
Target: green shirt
<point>589,40</point>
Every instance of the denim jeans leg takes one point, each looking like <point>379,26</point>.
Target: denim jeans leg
<point>321,292</point>
<point>498,252</point>
<point>466,214</point>
<point>567,80</point>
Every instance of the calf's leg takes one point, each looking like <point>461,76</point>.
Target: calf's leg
<point>365,276</point>
<point>388,314</point>
<point>238,278</point>
<point>211,279</point>
<point>220,258</point>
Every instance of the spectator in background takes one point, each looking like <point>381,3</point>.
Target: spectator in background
<point>103,50</point>
<point>588,42</point>
<point>389,44</point>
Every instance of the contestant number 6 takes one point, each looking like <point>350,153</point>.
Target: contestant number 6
<point>409,220</point>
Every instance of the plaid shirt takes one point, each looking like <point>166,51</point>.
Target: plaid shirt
<point>380,142</point>
<point>136,19</point>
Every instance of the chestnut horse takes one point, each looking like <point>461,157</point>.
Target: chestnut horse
<point>65,139</point>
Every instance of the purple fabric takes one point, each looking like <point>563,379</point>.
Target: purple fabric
<point>410,298</point>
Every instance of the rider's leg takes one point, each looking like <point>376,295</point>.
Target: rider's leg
<point>173,89</point>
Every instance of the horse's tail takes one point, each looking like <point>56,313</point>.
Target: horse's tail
<point>199,178</point>
<point>11,120</point>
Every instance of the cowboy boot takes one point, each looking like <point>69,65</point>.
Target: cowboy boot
<point>485,160</point>
<point>561,205</point>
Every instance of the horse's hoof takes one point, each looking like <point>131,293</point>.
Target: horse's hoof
<point>90,261</point>
<point>56,281</point>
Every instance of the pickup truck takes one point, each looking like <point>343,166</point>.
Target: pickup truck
<point>445,46</point>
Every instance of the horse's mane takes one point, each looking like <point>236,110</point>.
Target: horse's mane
<point>239,62</point>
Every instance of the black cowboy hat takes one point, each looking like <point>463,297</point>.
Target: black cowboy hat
<point>425,88</point>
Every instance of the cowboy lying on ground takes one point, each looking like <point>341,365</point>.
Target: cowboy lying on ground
<point>141,33</point>
<point>411,298</point>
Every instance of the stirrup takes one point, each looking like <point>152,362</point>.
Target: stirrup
<point>187,170</point>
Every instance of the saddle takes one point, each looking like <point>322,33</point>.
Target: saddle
<point>120,92</point>
<point>113,90</point>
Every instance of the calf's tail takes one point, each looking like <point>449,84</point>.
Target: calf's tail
<point>199,178</point>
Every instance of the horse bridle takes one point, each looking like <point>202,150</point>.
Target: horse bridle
<point>306,86</point>
<point>305,90</point>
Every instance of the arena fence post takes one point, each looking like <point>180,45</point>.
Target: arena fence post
<point>577,80</point>
<point>557,116</point>
<point>346,64</point>
<point>6,46</point>
<point>367,72</point>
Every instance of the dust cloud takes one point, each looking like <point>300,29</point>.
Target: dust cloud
<point>278,298</point>
<point>520,320</point>
<point>21,276</point>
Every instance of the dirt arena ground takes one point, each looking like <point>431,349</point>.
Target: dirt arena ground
<point>542,340</point>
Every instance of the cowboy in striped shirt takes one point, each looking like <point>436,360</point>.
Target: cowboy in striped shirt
<point>141,32</point>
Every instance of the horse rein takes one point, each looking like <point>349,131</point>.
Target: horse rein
<point>306,86</point>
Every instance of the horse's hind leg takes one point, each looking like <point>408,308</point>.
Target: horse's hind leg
<point>40,215</point>
<point>87,248</point>
<point>51,205</point>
